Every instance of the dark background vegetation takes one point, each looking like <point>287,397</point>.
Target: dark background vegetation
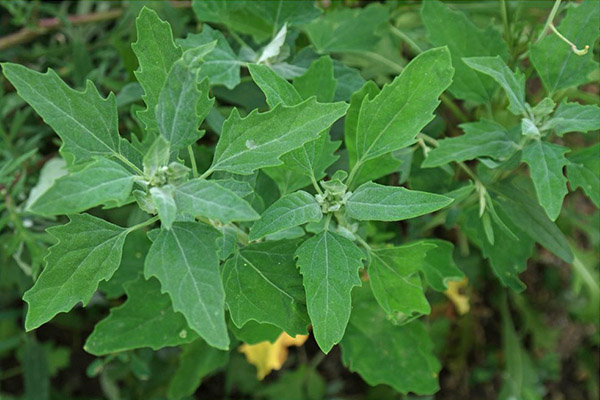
<point>81,40</point>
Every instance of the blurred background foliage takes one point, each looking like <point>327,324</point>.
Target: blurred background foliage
<point>545,340</point>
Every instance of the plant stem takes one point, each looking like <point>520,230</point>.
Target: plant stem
<point>143,224</point>
<point>567,41</point>
<point>549,20</point>
<point>206,173</point>
<point>315,184</point>
<point>461,164</point>
<point>193,161</point>
<point>506,23</point>
<point>454,109</point>
<point>129,164</point>
<point>411,43</point>
<point>378,57</point>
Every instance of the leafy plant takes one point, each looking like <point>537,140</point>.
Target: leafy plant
<point>283,220</point>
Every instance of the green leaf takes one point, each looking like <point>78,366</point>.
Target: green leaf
<point>147,312</point>
<point>513,83</point>
<point>302,164</point>
<point>544,107</point>
<point>135,249</point>
<point>464,39</point>
<point>438,266</point>
<point>583,171</point>
<point>517,201</point>
<point>156,157</point>
<point>483,138</point>
<point>88,251</point>
<point>87,130</point>
<point>156,53</point>
<point>395,280</point>
<point>318,81</point>
<point>520,375</point>
<point>371,169</point>
<point>384,353</point>
<point>507,265</point>
<point>329,264</point>
<point>291,210</point>
<point>308,162</point>
<point>36,376</point>
<point>200,197</point>
<point>100,182</point>
<point>196,361</point>
<point>258,140</point>
<point>221,66</point>
<point>182,105</point>
<point>262,284</point>
<point>276,89</point>
<point>557,65</point>
<point>253,332</point>
<point>163,200</point>
<point>374,202</point>
<point>184,260</point>
<point>574,117</point>
<point>546,162</point>
<point>391,120</point>
<point>347,30</point>
<point>261,19</point>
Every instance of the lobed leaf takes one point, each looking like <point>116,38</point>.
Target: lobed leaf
<point>391,120</point>
<point>557,65</point>
<point>452,28</point>
<point>513,83</point>
<point>259,140</point>
<point>88,251</point>
<point>329,265</point>
<point>210,199</point>
<point>395,280</point>
<point>184,259</point>
<point>156,53</point>
<point>100,182</point>
<point>383,353</point>
<point>262,284</point>
<point>483,138</point>
<point>147,312</point>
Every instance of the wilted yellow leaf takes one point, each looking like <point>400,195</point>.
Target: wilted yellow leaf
<point>460,301</point>
<point>267,356</point>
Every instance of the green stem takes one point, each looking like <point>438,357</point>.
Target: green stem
<point>549,20</point>
<point>242,235</point>
<point>461,164</point>
<point>378,57</point>
<point>193,161</point>
<point>313,180</point>
<point>129,164</point>
<point>411,43</point>
<point>237,38</point>
<point>353,174</point>
<point>577,51</point>
<point>506,23</point>
<point>206,173</point>
<point>454,109</point>
<point>363,243</point>
<point>143,224</point>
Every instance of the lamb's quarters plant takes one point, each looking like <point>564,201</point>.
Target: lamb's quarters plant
<point>278,220</point>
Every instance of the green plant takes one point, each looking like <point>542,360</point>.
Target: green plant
<point>277,227</point>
